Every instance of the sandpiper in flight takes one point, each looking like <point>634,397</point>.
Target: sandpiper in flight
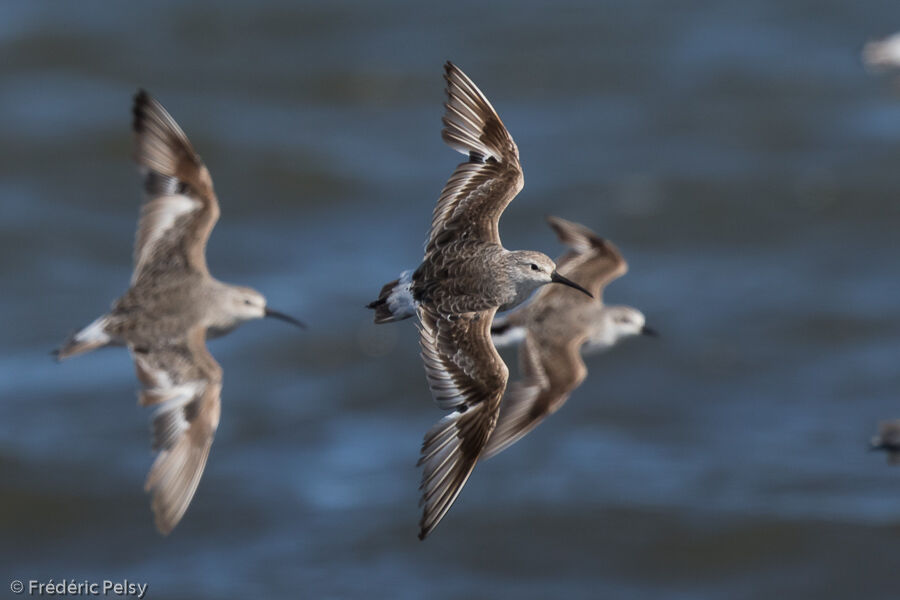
<point>554,327</point>
<point>172,306</point>
<point>465,277</point>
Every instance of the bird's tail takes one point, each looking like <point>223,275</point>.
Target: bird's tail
<point>395,302</point>
<point>90,338</point>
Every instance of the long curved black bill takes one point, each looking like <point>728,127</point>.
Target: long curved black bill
<point>283,317</point>
<point>557,278</point>
<point>649,331</point>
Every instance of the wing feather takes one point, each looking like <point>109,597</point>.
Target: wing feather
<point>592,261</point>
<point>180,209</point>
<point>549,375</point>
<point>479,190</point>
<point>466,375</point>
<point>184,383</point>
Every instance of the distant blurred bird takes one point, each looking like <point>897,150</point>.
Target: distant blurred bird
<point>555,327</point>
<point>883,54</point>
<point>465,277</point>
<point>172,306</point>
<point>888,439</point>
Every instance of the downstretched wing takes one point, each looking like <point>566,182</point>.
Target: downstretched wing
<point>549,374</point>
<point>183,382</point>
<point>479,190</point>
<point>180,208</point>
<point>466,375</point>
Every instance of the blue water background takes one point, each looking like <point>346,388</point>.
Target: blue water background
<point>737,152</point>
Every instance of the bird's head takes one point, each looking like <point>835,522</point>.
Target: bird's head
<point>244,304</point>
<point>625,321</point>
<point>534,269</point>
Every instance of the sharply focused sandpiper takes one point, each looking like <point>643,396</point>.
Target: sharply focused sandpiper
<point>172,306</point>
<point>465,277</point>
<point>554,328</point>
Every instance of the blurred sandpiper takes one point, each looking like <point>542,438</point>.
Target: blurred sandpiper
<point>171,308</point>
<point>555,328</point>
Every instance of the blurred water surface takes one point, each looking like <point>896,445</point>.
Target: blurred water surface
<point>737,152</point>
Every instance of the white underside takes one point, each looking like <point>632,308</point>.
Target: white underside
<point>94,333</point>
<point>175,398</point>
<point>511,336</point>
<point>595,346</point>
<point>158,378</point>
<point>400,301</point>
<point>159,216</point>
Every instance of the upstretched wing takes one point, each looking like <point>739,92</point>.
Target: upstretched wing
<point>479,190</point>
<point>466,375</point>
<point>550,372</point>
<point>180,208</point>
<point>183,382</point>
<point>592,261</point>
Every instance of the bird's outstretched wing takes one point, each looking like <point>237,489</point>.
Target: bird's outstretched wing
<point>592,261</point>
<point>182,381</point>
<point>466,375</point>
<point>180,208</point>
<point>550,372</point>
<point>479,190</point>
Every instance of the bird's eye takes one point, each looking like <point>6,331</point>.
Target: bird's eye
<point>534,267</point>
<point>248,303</point>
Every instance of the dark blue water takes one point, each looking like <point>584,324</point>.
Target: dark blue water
<point>737,152</point>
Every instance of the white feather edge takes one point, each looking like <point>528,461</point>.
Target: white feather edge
<point>158,216</point>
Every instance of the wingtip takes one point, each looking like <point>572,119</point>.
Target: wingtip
<point>163,529</point>
<point>554,220</point>
<point>556,223</point>
<point>141,99</point>
<point>577,236</point>
<point>570,233</point>
<point>563,226</point>
<point>471,125</point>
<point>449,70</point>
<point>163,526</point>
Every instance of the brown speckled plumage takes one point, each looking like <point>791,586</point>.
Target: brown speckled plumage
<point>465,276</point>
